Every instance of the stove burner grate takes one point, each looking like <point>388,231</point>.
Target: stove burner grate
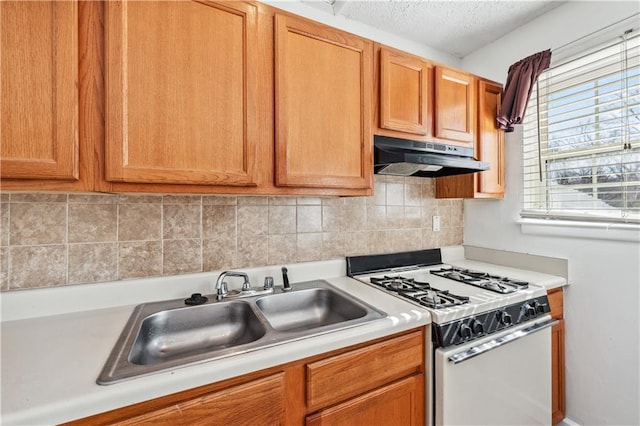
<point>420,292</point>
<point>496,283</point>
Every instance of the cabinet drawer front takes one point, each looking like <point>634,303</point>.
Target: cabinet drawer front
<point>556,303</point>
<point>344,376</point>
<point>258,402</point>
<point>400,403</point>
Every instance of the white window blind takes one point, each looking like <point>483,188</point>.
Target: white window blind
<point>581,147</point>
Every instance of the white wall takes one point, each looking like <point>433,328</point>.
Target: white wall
<point>602,303</point>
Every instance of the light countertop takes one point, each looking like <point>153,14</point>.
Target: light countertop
<point>55,341</point>
<point>51,359</point>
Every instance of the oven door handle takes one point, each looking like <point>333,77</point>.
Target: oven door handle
<point>496,343</point>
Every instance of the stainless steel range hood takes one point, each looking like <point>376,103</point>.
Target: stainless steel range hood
<point>404,157</point>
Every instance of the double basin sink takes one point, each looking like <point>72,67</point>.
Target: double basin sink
<point>170,334</point>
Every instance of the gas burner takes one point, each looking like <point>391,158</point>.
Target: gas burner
<point>395,284</point>
<point>419,291</point>
<point>484,280</point>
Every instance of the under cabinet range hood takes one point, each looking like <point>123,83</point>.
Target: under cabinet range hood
<point>404,157</point>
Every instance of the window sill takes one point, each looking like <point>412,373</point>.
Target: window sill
<point>575,229</point>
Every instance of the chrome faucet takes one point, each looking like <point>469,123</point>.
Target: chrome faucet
<point>221,286</point>
<point>222,290</point>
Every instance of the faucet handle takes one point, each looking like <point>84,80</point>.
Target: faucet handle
<point>268,283</point>
<point>222,290</point>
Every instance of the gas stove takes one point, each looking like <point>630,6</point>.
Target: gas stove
<point>464,304</point>
<point>480,279</point>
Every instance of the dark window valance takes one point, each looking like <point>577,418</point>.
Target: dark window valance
<point>521,78</point>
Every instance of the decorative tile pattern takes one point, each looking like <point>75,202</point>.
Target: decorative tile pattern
<point>139,222</point>
<point>92,263</point>
<point>309,218</point>
<point>4,222</point>
<point>4,268</point>
<point>37,266</point>
<point>181,256</point>
<point>139,259</point>
<point>181,221</point>
<point>309,246</point>
<point>37,223</point>
<point>59,239</point>
<point>92,222</point>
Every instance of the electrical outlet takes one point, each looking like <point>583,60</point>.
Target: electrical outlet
<point>436,223</point>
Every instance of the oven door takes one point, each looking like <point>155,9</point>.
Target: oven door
<point>504,379</point>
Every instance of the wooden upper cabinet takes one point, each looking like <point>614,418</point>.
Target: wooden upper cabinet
<point>39,95</point>
<point>180,87</point>
<point>490,141</point>
<point>404,92</point>
<point>455,108</point>
<point>323,82</point>
<point>489,148</point>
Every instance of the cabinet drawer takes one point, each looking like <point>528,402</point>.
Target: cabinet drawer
<point>556,303</point>
<point>344,376</point>
<point>399,403</point>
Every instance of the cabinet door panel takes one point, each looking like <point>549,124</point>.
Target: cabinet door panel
<point>323,106</point>
<point>180,92</point>
<point>490,144</point>
<point>338,378</point>
<point>403,92</point>
<point>401,403</point>
<point>557,373</point>
<point>258,402</point>
<point>454,105</point>
<point>39,97</point>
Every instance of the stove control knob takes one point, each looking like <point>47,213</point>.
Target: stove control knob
<point>505,318</point>
<point>464,331</point>
<point>540,307</point>
<point>477,326</point>
<point>529,310</point>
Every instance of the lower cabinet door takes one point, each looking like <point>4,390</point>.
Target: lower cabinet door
<point>557,373</point>
<point>259,402</point>
<point>400,403</point>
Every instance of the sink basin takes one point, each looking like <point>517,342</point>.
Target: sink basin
<point>169,334</point>
<point>308,309</point>
<point>174,334</point>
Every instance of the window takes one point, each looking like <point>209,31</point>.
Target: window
<point>581,147</point>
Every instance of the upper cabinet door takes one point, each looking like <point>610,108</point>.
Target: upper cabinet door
<point>323,106</point>
<point>181,83</point>
<point>490,144</point>
<point>39,95</point>
<point>404,93</point>
<point>454,105</point>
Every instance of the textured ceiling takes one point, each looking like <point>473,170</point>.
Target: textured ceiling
<point>457,27</point>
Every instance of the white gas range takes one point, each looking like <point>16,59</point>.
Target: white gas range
<point>491,344</point>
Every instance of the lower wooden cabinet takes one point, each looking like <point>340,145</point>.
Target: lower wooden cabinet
<point>399,403</point>
<point>379,382</point>
<point>244,404</point>
<point>557,357</point>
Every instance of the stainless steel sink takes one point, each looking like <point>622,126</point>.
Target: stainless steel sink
<point>308,309</point>
<point>169,334</point>
<point>172,335</point>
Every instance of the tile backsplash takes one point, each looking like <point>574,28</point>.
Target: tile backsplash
<point>58,239</point>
